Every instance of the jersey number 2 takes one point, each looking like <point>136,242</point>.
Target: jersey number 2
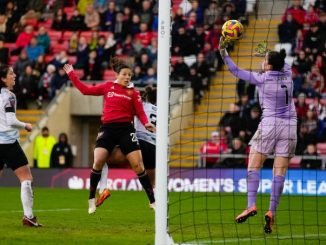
<point>286,94</point>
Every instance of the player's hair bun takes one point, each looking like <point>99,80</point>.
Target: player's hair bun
<point>283,53</point>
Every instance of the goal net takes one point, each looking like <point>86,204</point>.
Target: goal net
<point>213,115</point>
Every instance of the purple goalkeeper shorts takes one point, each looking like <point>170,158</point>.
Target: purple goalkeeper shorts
<point>275,135</point>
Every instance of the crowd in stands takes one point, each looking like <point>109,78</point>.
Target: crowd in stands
<point>304,28</point>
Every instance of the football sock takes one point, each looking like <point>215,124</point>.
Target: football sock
<point>27,198</point>
<point>252,187</point>
<point>276,192</point>
<point>94,179</point>
<point>145,182</point>
<point>104,178</point>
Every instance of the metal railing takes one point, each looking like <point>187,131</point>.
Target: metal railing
<point>221,157</point>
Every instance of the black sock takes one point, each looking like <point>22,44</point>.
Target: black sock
<point>145,182</point>
<point>94,179</point>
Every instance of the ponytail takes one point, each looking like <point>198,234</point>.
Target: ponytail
<point>150,95</point>
<point>117,64</point>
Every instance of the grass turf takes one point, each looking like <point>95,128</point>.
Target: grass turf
<point>194,218</point>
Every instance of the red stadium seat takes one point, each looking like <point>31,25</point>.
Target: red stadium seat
<point>47,24</point>
<point>66,35</point>
<point>295,162</point>
<point>69,11</point>
<point>321,148</point>
<point>57,47</point>
<point>54,35</point>
<point>87,35</point>
<point>109,75</point>
<point>10,46</point>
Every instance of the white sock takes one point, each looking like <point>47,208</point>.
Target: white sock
<point>104,178</point>
<point>27,198</point>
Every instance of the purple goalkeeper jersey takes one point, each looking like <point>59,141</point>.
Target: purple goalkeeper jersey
<point>275,89</point>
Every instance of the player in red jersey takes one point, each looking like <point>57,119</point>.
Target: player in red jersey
<point>121,103</point>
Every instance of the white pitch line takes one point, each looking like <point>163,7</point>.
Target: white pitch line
<point>44,210</point>
<point>247,239</point>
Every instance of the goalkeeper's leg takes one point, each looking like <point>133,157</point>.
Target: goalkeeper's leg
<point>256,161</point>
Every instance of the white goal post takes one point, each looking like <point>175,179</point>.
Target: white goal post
<point>162,133</point>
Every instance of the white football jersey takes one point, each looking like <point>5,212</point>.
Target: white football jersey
<point>8,134</point>
<point>141,132</point>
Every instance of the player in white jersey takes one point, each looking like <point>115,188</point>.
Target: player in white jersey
<point>147,142</point>
<point>11,153</point>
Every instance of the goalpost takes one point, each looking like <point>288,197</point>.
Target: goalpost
<point>195,205</point>
<point>162,134</point>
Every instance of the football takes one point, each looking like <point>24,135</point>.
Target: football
<point>232,30</point>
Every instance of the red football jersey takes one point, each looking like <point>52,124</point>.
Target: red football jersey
<point>121,104</point>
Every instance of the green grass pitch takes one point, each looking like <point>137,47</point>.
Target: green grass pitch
<point>125,218</point>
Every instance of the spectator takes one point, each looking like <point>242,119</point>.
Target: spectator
<point>76,22</point>
<point>92,18</point>
<point>232,121</point>
<point>59,79</point>
<point>198,38</point>
<point>244,106</point>
<point>135,24</point>
<point>301,107</point>
<point>311,151</point>
<point>211,57</point>
<point>313,42</point>
<point>298,42</point>
<point>311,15</point>
<point>4,53</point>
<point>60,59</point>
<point>39,67</point>
<point>181,70</point>
<point>43,145</point>
<point>61,154</point>
<point>21,63</point>
<point>82,54</point>
<point>144,63</point>
<point>150,77</point>
<point>145,36</point>
<point>3,25</point>
<point>198,11</point>
<point>44,85</point>
<point>23,39</point>
<point>297,11</point>
<point>287,30</point>
<point>27,87</point>
<point>93,70</point>
<point>43,39</point>
<point>73,43</point>
<point>82,6</point>
<point>315,80</point>
<point>181,43</point>
<point>34,50</point>
<point>211,14</point>
<point>252,122</point>
<point>146,14</point>
<point>211,149</point>
<point>302,63</point>
<point>109,17</point>
<point>197,86</point>
<point>59,22</point>
<point>238,148</point>
<point>304,139</point>
<point>92,44</point>
<point>121,27</point>
<point>310,121</point>
<point>202,70</point>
